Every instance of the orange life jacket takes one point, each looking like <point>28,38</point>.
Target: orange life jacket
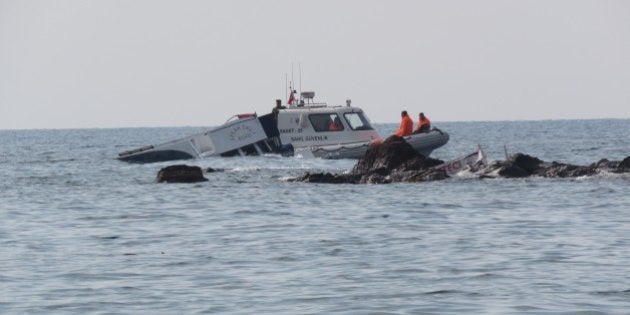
<point>406,127</point>
<point>334,127</point>
<point>423,122</point>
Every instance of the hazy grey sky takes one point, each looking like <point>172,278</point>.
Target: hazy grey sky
<point>108,63</point>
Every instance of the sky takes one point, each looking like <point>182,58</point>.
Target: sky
<point>151,63</point>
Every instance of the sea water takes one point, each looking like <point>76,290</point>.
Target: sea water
<point>83,233</point>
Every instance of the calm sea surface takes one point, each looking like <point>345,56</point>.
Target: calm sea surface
<point>83,233</point>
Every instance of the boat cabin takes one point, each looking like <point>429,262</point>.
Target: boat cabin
<point>317,125</point>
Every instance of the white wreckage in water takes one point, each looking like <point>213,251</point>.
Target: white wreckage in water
<point>474,161</point>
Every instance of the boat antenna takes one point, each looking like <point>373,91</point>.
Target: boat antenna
<point>292,77</point>
<point>286,83</point>
<point>291,86</point>
<point>300,67</point>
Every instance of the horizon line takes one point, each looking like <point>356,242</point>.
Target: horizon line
<point>375,123</point>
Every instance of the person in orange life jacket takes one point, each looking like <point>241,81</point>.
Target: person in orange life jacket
<point>335,125</point>
<point>406,125</point>
<point>424,124</point>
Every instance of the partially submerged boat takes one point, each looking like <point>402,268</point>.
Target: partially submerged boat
<point>301,127</point>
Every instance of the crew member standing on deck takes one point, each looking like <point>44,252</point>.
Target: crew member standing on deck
<point>276,110</point>
<point>424,124</point>
<point>406,125</point>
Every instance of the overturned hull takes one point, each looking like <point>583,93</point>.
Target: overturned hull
<point>244,136</point>
<point>151,154</point>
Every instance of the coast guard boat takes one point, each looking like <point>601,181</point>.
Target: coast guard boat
<point>303,127</point>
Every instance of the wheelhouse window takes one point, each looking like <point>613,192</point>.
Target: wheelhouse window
<point>326,122</point>
<point>357,121</point>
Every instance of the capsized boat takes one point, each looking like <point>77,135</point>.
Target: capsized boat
<point>301,127</point>
<point>473,161</point>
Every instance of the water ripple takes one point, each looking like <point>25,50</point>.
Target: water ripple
<point>83,233</point>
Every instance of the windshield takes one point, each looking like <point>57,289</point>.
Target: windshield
<point>326,122</point>
<point>357,121</point>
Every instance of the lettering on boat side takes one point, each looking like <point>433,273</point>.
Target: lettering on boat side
<point>316,138</point>
<point>291,130</point>
<point>240,133</point>
<point>309,138</point>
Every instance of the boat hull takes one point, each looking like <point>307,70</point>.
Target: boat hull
<point>423,143</point>
<point>157,156</point>
<point>426,142</point>
<point>346,151</point>
<point>247,136</point>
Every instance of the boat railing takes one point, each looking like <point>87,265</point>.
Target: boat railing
<point>241,116</point>
<point>308,105</point>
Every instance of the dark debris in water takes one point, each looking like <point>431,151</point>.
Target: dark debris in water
<point>622,292</point>
<point>441,292</point>
<point>395,160</point>
<point>113,237</point>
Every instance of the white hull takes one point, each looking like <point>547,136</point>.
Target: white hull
<point>240,137</point>
<point>338,151</point>
<point>474,161</point>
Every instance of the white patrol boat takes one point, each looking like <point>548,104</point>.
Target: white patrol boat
<point>300,128</point>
